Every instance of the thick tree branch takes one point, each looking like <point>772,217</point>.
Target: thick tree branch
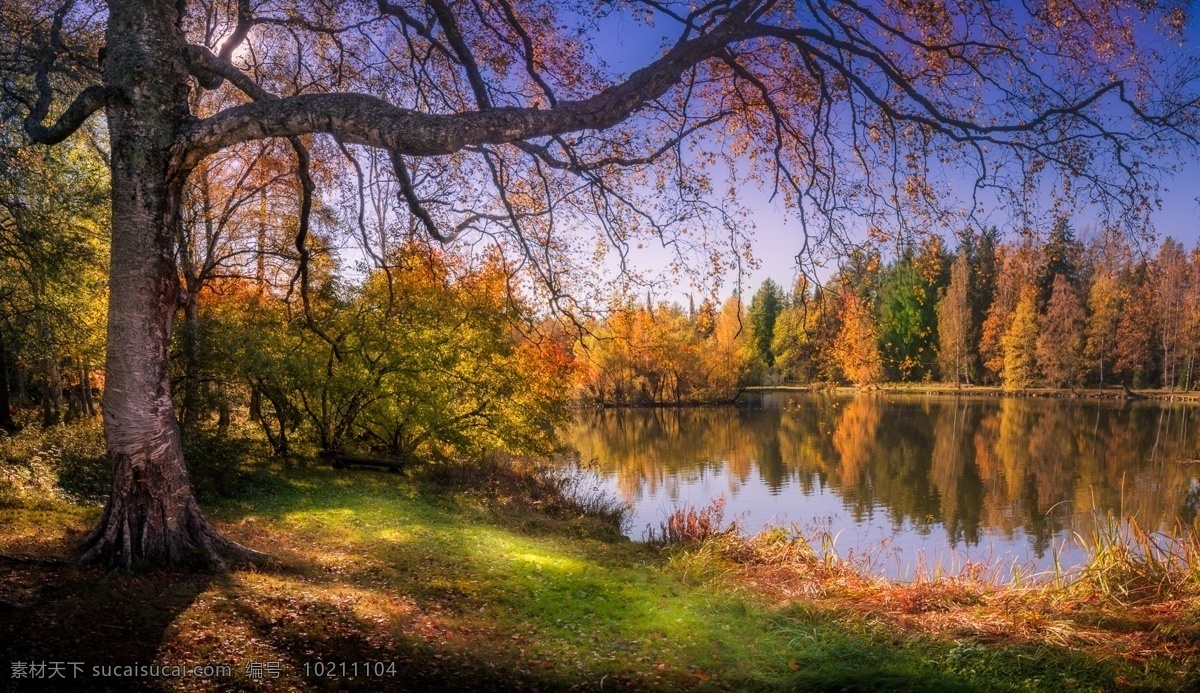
<point>363,119</point>
<point>211,70</point>
<point>245,20</point>
<point>88,102</point>
<point>84,105</point>
<point>449,25</point>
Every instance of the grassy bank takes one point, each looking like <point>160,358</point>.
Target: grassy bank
<point>498,583</point>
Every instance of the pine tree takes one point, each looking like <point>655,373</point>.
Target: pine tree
<point>1060,256</point>
<point>765,307</point>
<point>907,312</point>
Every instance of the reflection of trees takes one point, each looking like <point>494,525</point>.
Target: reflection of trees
<point>953,471</point>
<point>971,464</point>
<point>667,447</point>
<point>854,438</point>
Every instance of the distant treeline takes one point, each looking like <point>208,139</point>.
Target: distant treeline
<point>1028,312</point>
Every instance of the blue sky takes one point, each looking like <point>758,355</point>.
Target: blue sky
<point>627,45</point>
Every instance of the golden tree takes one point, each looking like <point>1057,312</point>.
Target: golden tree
<point>954,323</point>
<point>1020,344</point>
<point>856,346</point>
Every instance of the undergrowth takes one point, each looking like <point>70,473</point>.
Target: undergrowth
<point>68,463</point>
<point>61,464</point>
<point>517,485</point>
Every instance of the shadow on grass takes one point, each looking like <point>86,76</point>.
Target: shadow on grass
<point>65,614</point>
<point>473,595</point>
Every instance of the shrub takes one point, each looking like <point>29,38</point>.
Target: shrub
<point>215,463</point>
<point>524,484</point>
<point>64,463</point>
<point>689,526</point>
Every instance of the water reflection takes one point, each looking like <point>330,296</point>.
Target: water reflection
<point>954,477</point>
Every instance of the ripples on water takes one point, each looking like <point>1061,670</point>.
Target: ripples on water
<point>920,482</point>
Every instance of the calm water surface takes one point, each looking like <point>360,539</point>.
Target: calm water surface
<point>916,482</point>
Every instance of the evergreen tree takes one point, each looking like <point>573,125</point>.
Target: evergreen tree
<point>1060,256</point>
<point>765,307</point>
<point>908,315</point>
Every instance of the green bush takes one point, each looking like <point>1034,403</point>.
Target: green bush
<point>69,463</point>
<point>61,463</point>
<point>215,464</point>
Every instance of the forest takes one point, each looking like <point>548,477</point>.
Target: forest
<point>324,357</point>
<point>447,364</point>
<point>1033,311</point>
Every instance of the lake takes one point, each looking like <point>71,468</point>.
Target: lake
<point>918,483</point>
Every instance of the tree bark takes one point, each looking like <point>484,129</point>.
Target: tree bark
<point>52,398</point>
<point>6,419</point>
<point>191,362</point>
<point>152,515</point>
<point>85,380</point>
<point>223,414</point>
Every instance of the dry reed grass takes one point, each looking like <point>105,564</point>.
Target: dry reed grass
<point>1137,597</point>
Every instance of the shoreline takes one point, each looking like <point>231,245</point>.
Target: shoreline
<point>1114,394</point>
<point>1109,393</point>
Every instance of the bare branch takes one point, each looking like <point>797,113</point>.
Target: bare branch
<point>85,104</point>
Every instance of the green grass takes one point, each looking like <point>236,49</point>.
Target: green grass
<point>374,567</point>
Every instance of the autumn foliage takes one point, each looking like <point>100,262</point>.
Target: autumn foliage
<point>1023,313</point>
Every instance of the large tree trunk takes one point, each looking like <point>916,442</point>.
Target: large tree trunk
<point>6,419</point>
<point>191,362</point>
<point>152,514</point>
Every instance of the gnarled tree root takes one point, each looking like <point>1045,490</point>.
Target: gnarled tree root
<point>126,536</point>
